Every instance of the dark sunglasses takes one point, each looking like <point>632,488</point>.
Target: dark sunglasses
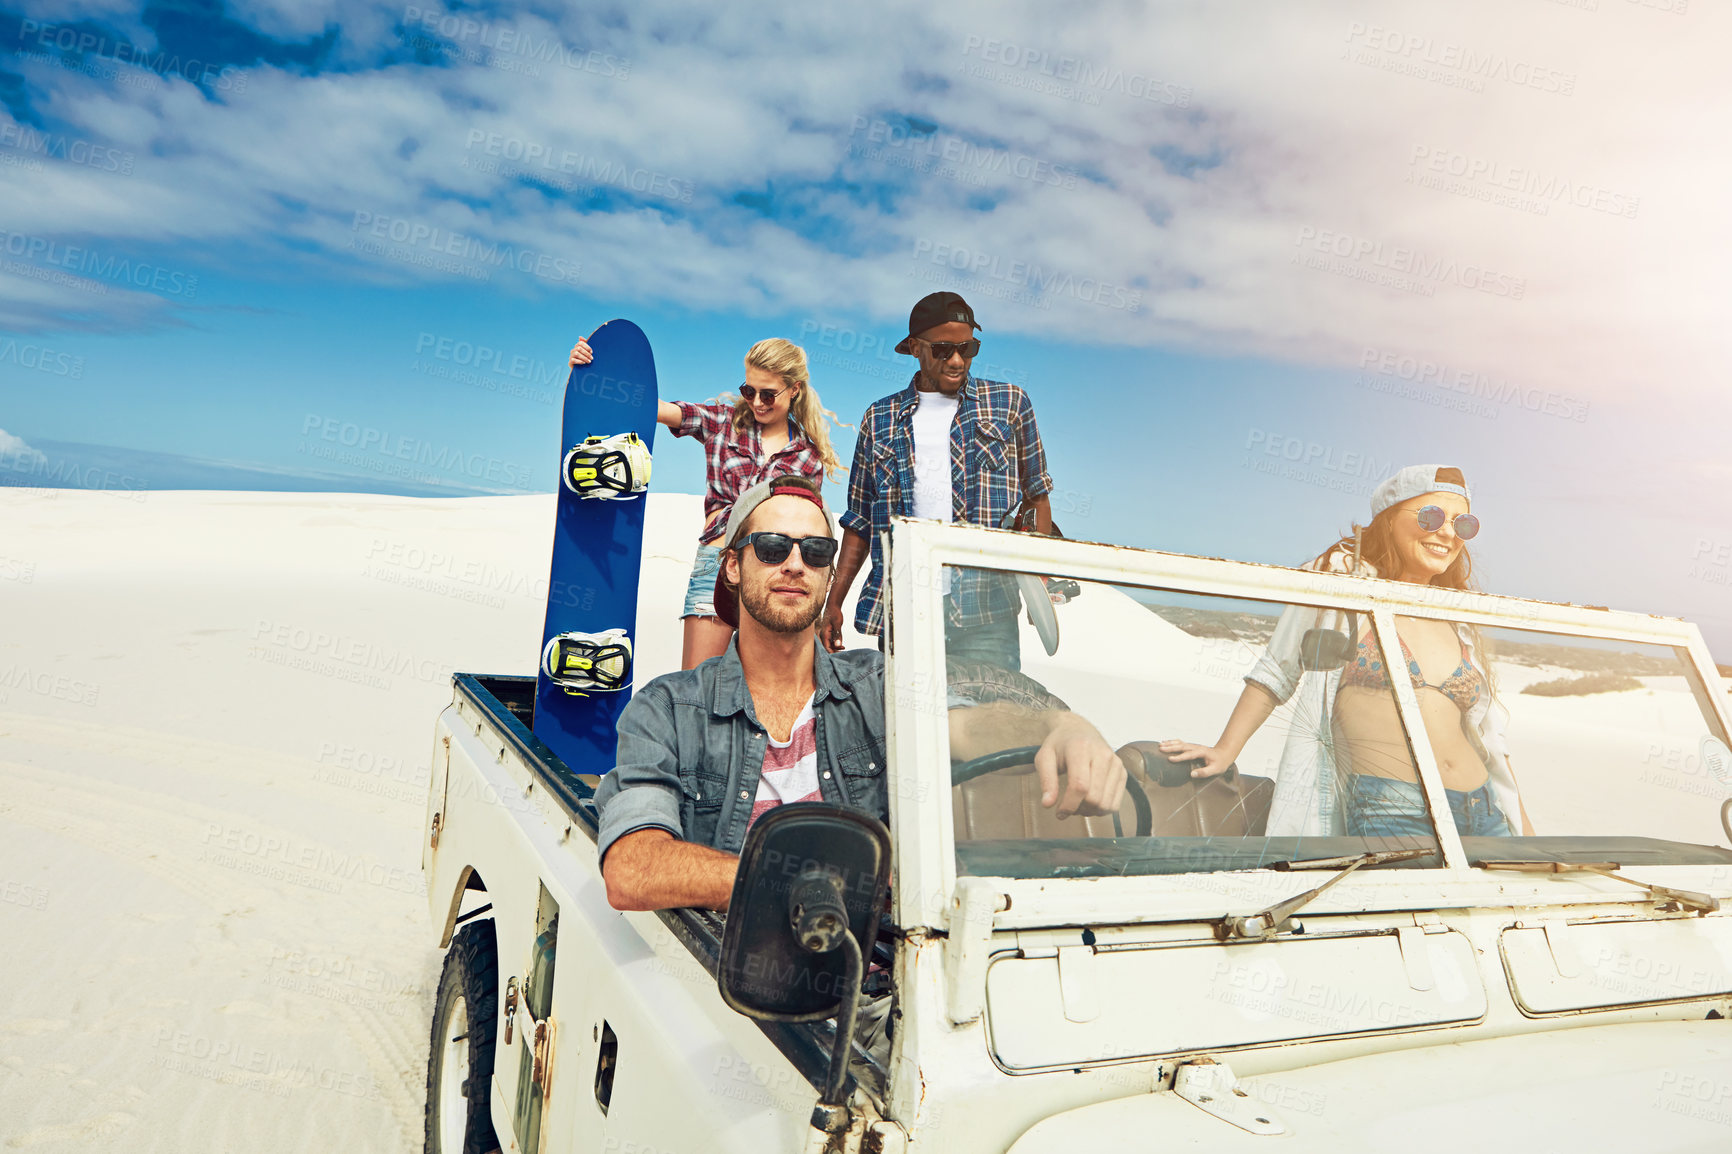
<point>1431,519</point>
<point>769,395</point>
<point>944,350</point>
<point>773,548</point>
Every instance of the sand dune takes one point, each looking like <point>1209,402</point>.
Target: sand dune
<point>215,716</point>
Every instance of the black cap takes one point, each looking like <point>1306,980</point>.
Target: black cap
<point>936,309</point>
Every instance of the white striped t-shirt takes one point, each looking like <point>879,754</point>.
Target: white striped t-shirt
<point>790,767</point>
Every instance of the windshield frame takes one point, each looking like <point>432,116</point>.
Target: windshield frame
<point>917,734</point>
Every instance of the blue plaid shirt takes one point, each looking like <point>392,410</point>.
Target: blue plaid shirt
<point>996,461</point>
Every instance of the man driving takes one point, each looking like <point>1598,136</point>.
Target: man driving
<point>778,718</point>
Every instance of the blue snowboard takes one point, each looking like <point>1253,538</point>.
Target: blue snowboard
<point>597,544</point>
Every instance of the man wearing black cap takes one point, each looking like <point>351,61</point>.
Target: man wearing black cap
<point>950,447</point>
<point>776,718</point>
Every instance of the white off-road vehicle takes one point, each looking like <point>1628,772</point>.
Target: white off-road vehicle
<point>1216,967</point>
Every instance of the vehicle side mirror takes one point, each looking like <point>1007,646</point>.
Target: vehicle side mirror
<point>810,875</point>
<point>1324,649</point>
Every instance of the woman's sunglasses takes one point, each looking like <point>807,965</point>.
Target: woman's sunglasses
<point>773,548</point>
<point>769,395</point>
<point>1431,519</point>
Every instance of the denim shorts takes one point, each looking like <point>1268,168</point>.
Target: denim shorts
<point>701,590</point>
<point>1385,807</point>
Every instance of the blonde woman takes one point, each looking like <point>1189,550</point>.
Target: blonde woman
<point>774,426</point>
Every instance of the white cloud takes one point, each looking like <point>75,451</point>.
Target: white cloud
<point>1247,172</point>
<point>14,452</point>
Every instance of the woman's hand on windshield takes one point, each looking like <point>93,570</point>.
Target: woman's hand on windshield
<point>581,354</point>
<point>1215,761</point>
<point>1094,775</point>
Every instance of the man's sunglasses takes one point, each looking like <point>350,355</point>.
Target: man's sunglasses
<point>1431,519</point>
<point>944,350</point>
<point>773,548</point>
<point>769,395</point>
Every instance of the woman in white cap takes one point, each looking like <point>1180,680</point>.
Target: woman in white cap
<point>1345,768</point>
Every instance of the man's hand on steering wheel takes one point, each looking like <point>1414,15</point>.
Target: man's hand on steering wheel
<point>1094,776</point>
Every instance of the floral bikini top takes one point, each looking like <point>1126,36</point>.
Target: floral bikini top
<point>1464,686</point>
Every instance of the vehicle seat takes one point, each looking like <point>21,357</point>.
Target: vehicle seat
<point>1006,804</point>
<point>1232,804</point>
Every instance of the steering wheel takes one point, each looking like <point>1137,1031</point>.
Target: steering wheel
<point>1024,755</point>
<point>1725,815</point>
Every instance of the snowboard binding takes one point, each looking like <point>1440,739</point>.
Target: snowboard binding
<point>584,663</point>
<point>607,468</point>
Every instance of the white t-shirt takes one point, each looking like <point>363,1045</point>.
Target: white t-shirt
<point>932,418</point>
<point>790,767</point>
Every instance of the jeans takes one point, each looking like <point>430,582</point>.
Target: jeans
<point>996,643</point>
<point>701,589</point>
<point>1384,807</point>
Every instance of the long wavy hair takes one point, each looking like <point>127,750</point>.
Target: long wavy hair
<point>788,361</point>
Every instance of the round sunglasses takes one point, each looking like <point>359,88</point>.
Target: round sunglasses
<point>1431,519</point>
<point>773,548</point>
<point>769,395</point>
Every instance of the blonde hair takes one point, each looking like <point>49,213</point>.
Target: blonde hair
<point>788,361</point>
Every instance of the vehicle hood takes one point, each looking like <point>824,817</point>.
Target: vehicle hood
<point>1651,1086</point>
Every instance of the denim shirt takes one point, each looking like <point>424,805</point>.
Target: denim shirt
<point>691,749</point>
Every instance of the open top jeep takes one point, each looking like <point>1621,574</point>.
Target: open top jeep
<point>1224,963</point>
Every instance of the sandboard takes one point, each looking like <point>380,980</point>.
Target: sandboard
<point>597,545</point>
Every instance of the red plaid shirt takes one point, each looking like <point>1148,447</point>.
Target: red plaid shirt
<point>735,460</point>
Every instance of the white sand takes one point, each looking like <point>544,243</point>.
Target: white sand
<point>215,716</point>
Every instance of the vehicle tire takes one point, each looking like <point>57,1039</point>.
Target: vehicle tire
<point>460,1058</point>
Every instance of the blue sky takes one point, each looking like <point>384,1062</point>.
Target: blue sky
<point>1244,260</point>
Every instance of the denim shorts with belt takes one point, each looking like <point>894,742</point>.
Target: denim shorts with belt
<point>1386,807</point>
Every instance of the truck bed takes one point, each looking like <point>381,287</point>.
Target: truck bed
<point>508,704</point>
